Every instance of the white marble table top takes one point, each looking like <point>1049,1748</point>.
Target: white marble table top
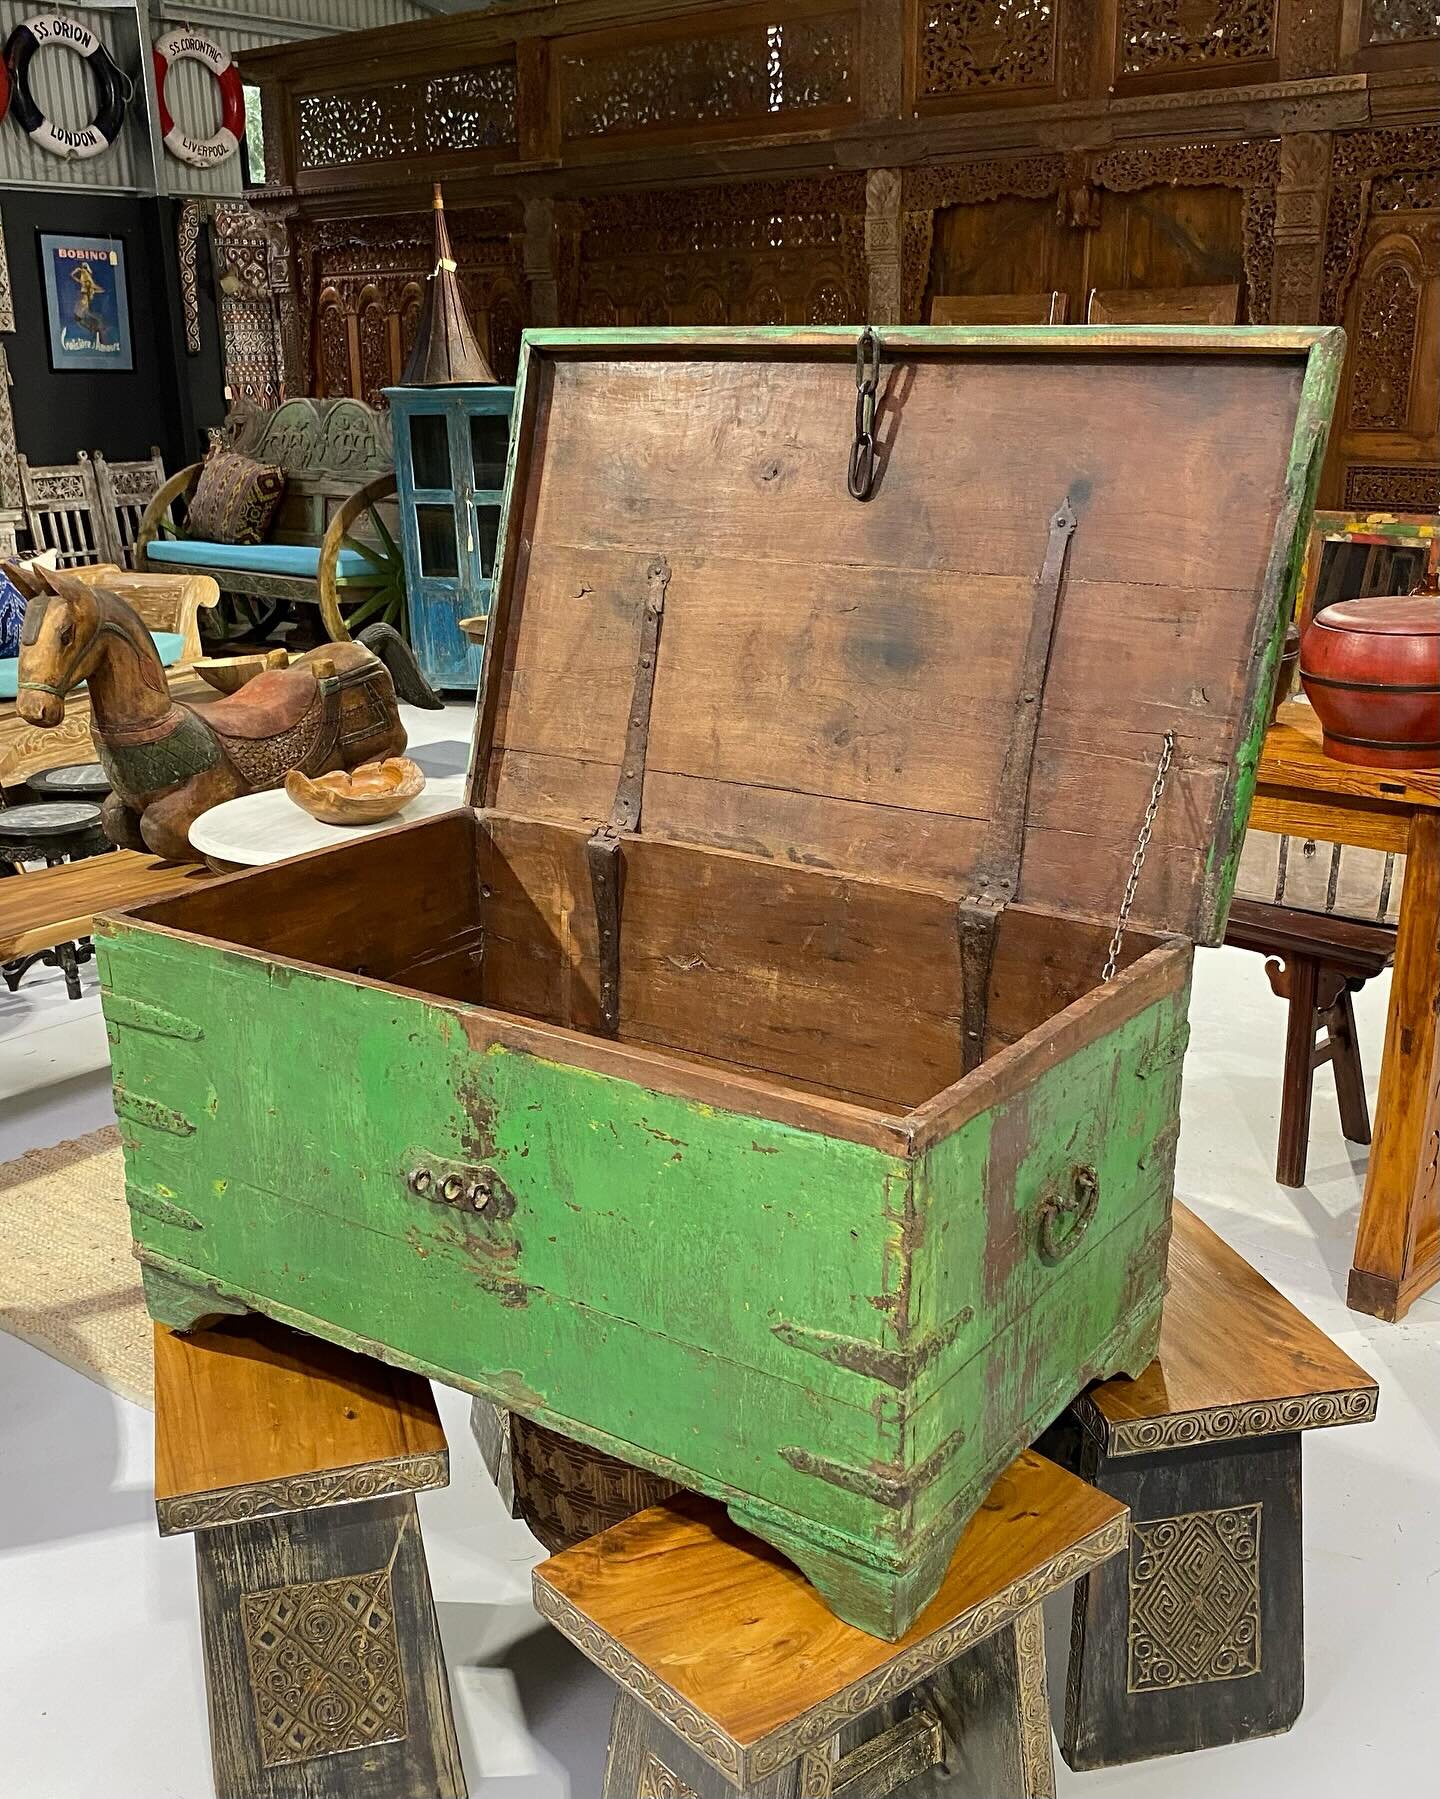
<point>266,827</point>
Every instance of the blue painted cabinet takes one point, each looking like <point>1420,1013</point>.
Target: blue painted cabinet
<point>450,449</point>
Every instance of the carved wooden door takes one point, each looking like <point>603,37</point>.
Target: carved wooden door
<point>1385,447</point>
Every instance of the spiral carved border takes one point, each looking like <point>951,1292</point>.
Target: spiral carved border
<point>1037,1754</point>
<point>1224,1424</point>
<point>302,1493</point>
<point>906,1668</point>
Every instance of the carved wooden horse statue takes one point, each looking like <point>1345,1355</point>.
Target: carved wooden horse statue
<point>169,761</point>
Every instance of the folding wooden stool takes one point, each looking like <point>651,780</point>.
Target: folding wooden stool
<point>1196,1638</point>
<point>734,1676</point>
<point>296,1465</point>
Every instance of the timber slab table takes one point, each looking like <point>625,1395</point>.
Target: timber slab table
<point>733,1676</point>
<point>1196,1639</point>
<point>1302,792</point>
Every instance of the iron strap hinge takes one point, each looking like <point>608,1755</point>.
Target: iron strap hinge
<point>997,874</point>
<point>602,849</point>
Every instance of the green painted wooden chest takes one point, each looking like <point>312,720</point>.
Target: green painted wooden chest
<point>733,1087</point>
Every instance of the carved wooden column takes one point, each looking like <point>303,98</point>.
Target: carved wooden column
<point>539,260</point>
<point>293,326</point>
<point>1301,199</point>
<point>884,305</point>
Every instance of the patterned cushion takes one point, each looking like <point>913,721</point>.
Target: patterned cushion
<point>234,499</point>
<point>12,612</point>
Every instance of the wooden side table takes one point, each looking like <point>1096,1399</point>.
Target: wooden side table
<point>1197,1637</point>
<point>1304,793</point>
<point>734,1676</point>
<point>296,1464</point>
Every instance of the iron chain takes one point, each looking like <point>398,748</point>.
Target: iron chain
<point>861,475</point>
<point>1137,861</point>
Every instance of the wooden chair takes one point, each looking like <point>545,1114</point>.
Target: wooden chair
<point>1196,1639</point>
<point>295,1465</point>
<point>63,511</point>
<point>1315,962</point>
<point>733,1676</point>
<point>125,490</point>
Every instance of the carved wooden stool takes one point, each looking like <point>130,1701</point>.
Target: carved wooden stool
<point>734,1676</point>
<point>1197,1637</point>
<point>296,1464</point>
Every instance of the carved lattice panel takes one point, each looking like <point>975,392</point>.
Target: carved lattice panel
<point>423,115</point>
<point>1166,37</point>
<point>970,47</point>
<point>710,77</point>
<point>761,253</point>
<point>1400,21</point>
<point>1386,320</point>
<point>249,324</point>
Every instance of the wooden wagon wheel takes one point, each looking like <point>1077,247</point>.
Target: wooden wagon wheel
<point>384,600</point>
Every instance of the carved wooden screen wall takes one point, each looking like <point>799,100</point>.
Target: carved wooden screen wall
<point>245,250</point>
<point>761,253</point>
<point>361,284</point>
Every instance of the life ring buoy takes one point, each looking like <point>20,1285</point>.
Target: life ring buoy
<point>112,90</point>
<point>184,45</point>
<point>4,88</point>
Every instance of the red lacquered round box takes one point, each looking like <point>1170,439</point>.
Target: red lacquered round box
<point>1371,670</point>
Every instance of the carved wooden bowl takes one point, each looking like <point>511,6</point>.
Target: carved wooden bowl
<point>358,796</point>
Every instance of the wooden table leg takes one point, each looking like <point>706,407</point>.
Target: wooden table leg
<point>1397,1247</point>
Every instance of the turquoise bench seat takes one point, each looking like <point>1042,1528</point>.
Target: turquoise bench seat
<point>299,559</point>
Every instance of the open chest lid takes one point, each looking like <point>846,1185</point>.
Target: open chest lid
<point>1076,541</point>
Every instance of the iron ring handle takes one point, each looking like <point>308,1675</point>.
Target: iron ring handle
<point>1075,1208</point>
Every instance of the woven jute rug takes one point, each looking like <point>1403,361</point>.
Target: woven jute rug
<point>68,1282</point>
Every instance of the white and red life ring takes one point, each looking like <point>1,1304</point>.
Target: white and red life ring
<point>184,45</point>
<point>111,87</point>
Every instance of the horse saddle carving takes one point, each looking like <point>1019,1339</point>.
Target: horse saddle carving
<point>269,703</point>
<point>282,719</point>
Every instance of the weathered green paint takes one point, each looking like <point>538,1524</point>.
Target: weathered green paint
<point>657,1288</point>
<point>1282,583</point>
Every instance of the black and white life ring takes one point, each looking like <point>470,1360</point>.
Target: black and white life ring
<point>112,90</point>
<point>184,45</point>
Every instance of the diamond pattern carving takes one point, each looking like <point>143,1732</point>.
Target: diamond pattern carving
<point>324,1667</point>
<point>750,73</point>
<point>1194,1599</point>
<point>1158,36</point>
<point>977,46</point>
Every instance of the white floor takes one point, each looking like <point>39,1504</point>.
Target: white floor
<point>101,1691</point>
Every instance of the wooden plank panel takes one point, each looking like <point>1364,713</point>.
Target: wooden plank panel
<point>849,986</point>
<point>741,455</point>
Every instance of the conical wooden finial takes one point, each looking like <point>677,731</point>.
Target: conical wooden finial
<point>447,353</point>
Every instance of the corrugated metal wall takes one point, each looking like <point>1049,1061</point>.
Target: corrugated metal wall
<point>63,87</point>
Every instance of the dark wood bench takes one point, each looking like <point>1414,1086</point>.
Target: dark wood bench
<point>1197,1638</point>
<point>334,540</point>
<point>296,1465</point>
<point>1315,962</point>
<point>733,1676</point>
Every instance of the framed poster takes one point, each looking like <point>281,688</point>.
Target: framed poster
<point>86,305</point>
